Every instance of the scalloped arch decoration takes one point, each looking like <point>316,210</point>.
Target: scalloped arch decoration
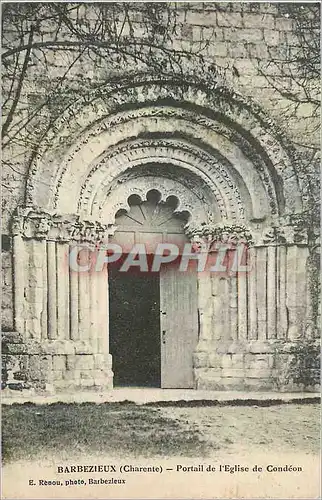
<point>194,203</point>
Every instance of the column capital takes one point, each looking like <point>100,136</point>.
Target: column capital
<point>34,223</point>
<point>207,235</point>
<point>284,235</point>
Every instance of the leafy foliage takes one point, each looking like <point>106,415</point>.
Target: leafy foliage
<point>76,48</point>
<point>304,367</point>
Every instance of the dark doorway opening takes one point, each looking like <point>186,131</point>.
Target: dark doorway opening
<point>134,327</point>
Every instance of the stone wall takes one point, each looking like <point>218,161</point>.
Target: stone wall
<point>238,39</point>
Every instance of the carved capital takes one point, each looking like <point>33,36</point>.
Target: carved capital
<point>30,222</point>
<point>283,235</point>
<point>207,236</point>
<point>16,226</point>
<point>39,225</point>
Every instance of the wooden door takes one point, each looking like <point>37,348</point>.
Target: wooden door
<point>179,326</point>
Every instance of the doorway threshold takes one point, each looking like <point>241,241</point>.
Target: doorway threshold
<point>165,397</point>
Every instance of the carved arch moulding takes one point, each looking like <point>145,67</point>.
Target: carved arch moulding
<point>168,159</point>
<point>230,137</point>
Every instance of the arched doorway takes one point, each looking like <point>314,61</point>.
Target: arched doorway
<point>153,310</point>
<point>228,168</point>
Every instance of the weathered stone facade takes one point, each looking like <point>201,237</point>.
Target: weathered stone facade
<point>222,147</point>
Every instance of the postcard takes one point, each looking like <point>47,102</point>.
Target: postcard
<point>160,250</point>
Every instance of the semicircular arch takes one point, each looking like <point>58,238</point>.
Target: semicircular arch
<point>232,132</point>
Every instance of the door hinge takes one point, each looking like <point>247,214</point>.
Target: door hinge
<point>198,323</point>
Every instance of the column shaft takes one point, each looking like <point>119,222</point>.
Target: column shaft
<point>233,308</point>
<point>62,291</point>
<point>242,299</point>
<point>281,293</point>
<point>296,290</point>
<point>103,338</point>
<point>52,289</point>
<point>19,282</point>
<point>205,303</point>
<point>261,283</point>
<point>83,296</point>
<point>73,304</point>
<point>271,292</point>
<point>94,309</point>
<point>252,296</point>
<point>220,295</point>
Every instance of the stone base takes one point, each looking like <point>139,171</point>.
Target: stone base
<point>248,366</point>
<point>63,366</point>
<point>51,366</point>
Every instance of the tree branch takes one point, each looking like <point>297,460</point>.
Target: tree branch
<point>19,86</point>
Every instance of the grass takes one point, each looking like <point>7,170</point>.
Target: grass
<point>121,430</point>
<point>116,429</point>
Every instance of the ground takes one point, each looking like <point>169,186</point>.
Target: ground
<point>38,438</point>
<point>65,431</point>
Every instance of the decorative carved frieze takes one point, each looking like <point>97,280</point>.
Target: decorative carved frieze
<point>284,235</point>
<point>206,236</point>
<point>32,223</point>
<point>234,234</point>
<point>272,236</point>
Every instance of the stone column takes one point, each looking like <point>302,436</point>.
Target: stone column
<point>281,293</point>
<point>296,289</point>
<point>205,305</point>
<point>94,309</point>
<point>52,289</point>
<point>301,288</point>
<point>73,302</point>
<point>291,295</point>
<point>36,267</point>
<point>103,311</point>
<point>233,307</point>
<point>220,293</point>
<point>252,295</point>
<point>242,300</point>
<point>44,315</point>
<point>271,292</point>
<point>84,296</point>
<point>19,282</point>
<point>62,291</point>
<point>261,262</point>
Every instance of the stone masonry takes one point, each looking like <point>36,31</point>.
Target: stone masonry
<point>224,143</point>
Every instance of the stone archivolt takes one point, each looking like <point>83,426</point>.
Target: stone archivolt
<point>230,111</point>
<point>225,139</point>
<point>224,179</point>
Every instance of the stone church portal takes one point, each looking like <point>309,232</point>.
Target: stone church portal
<point>143,153</point>
<point>214,331</point>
